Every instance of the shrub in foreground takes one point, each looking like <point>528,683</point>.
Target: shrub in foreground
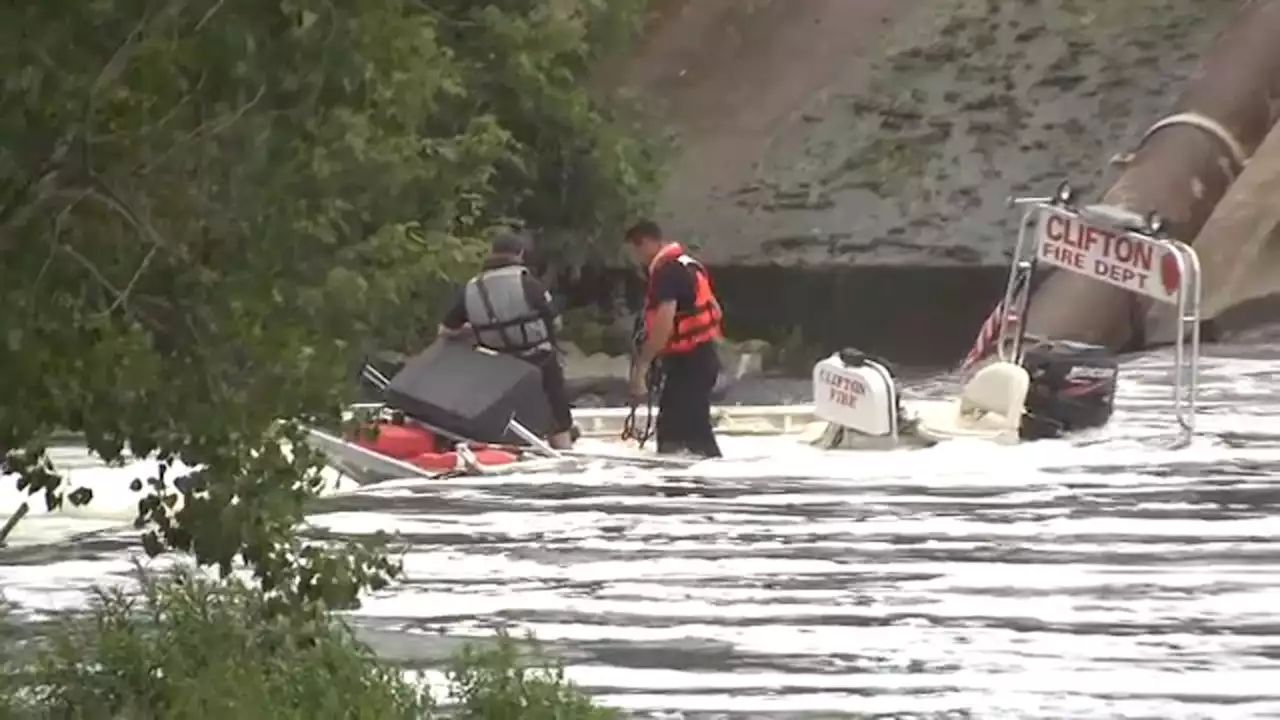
<point>186,648</point>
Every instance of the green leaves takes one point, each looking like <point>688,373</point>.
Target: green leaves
<point>508,681</point>
<point>582,162</point>
<point>199,203</point>
<point>206,207</point>
<point>186,648</point>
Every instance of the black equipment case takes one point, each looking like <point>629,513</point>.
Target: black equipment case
<point>471,393</point>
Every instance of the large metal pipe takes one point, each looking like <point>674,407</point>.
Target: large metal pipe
<point>1181,171</point>
<point>1239,247</point>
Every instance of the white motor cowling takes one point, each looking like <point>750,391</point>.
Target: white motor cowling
<point>856,392</point>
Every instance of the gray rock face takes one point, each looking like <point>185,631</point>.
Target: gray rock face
<point>911,125</point>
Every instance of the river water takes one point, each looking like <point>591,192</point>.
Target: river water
<point>1106,579</point>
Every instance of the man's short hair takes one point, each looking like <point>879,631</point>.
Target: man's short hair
<point>643,230</point>
<point>508,243</point>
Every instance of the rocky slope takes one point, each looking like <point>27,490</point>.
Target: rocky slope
<point>881,132</point>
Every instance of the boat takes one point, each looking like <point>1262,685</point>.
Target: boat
<point>461,411</point>
<point>1028,389</point>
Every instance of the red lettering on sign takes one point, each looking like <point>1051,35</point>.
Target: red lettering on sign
<point>1100,242</point>
<point>1055,228</point>
<point>843,397</point>
<point>1126,276</point>
<point>1119,258</point>
<point>841,389</point>
<point>1061,255</point>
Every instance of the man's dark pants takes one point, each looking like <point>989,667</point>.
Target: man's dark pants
<point>553,386</point>
<point>684,408</point>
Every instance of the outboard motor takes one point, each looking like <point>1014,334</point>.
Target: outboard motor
<point>856,395</point>
<point>1073,387</point>
<point>853,357</point>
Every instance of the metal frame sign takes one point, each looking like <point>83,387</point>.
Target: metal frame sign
<point>1120,248</point>
<point>1127,260</point>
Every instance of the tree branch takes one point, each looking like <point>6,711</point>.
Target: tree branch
<point>103,194</point>
<point>119,59</point>
<point>13,521</point>
<point>144,229</point>
<point>232,118</point>
<point>48,261</point>
<point>182,101</point>
<point>209,15</point>
<point>88,264</point>
<point>210,128</point>
<point>58,221</point>
<point>110,73</point>
<point>123,297</point>
<point>19,208</point>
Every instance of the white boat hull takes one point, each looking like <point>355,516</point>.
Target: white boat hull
<point>856,408</point>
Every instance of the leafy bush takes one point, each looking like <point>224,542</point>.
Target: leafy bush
<point>585,161</point>
<point>501,683</point>
<point>187,648</point>
<point>208,209</point>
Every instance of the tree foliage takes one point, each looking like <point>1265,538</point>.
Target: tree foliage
<point>207,206</point>
<point>580,169</point>
<point>188,649</point>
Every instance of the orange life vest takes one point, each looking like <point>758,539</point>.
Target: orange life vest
<point>696,325</point>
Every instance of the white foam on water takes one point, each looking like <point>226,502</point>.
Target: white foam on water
<point>1106,578</point>
<point>114,504</point>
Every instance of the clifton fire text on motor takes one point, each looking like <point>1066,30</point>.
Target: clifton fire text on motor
<point>843,390</point>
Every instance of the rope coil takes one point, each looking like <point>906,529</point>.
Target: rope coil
<point>653,389</point>
<point>653,386</point>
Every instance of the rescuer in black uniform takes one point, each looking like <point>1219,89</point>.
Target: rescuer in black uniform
<point>510,311</point>
<point>681,329</point>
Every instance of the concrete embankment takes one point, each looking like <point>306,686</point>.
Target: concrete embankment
<point>831,134</point>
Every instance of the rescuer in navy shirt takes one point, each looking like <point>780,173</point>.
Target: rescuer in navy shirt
<point>682,328</point>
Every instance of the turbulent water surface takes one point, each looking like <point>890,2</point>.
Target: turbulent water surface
<point>1106,579</point>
